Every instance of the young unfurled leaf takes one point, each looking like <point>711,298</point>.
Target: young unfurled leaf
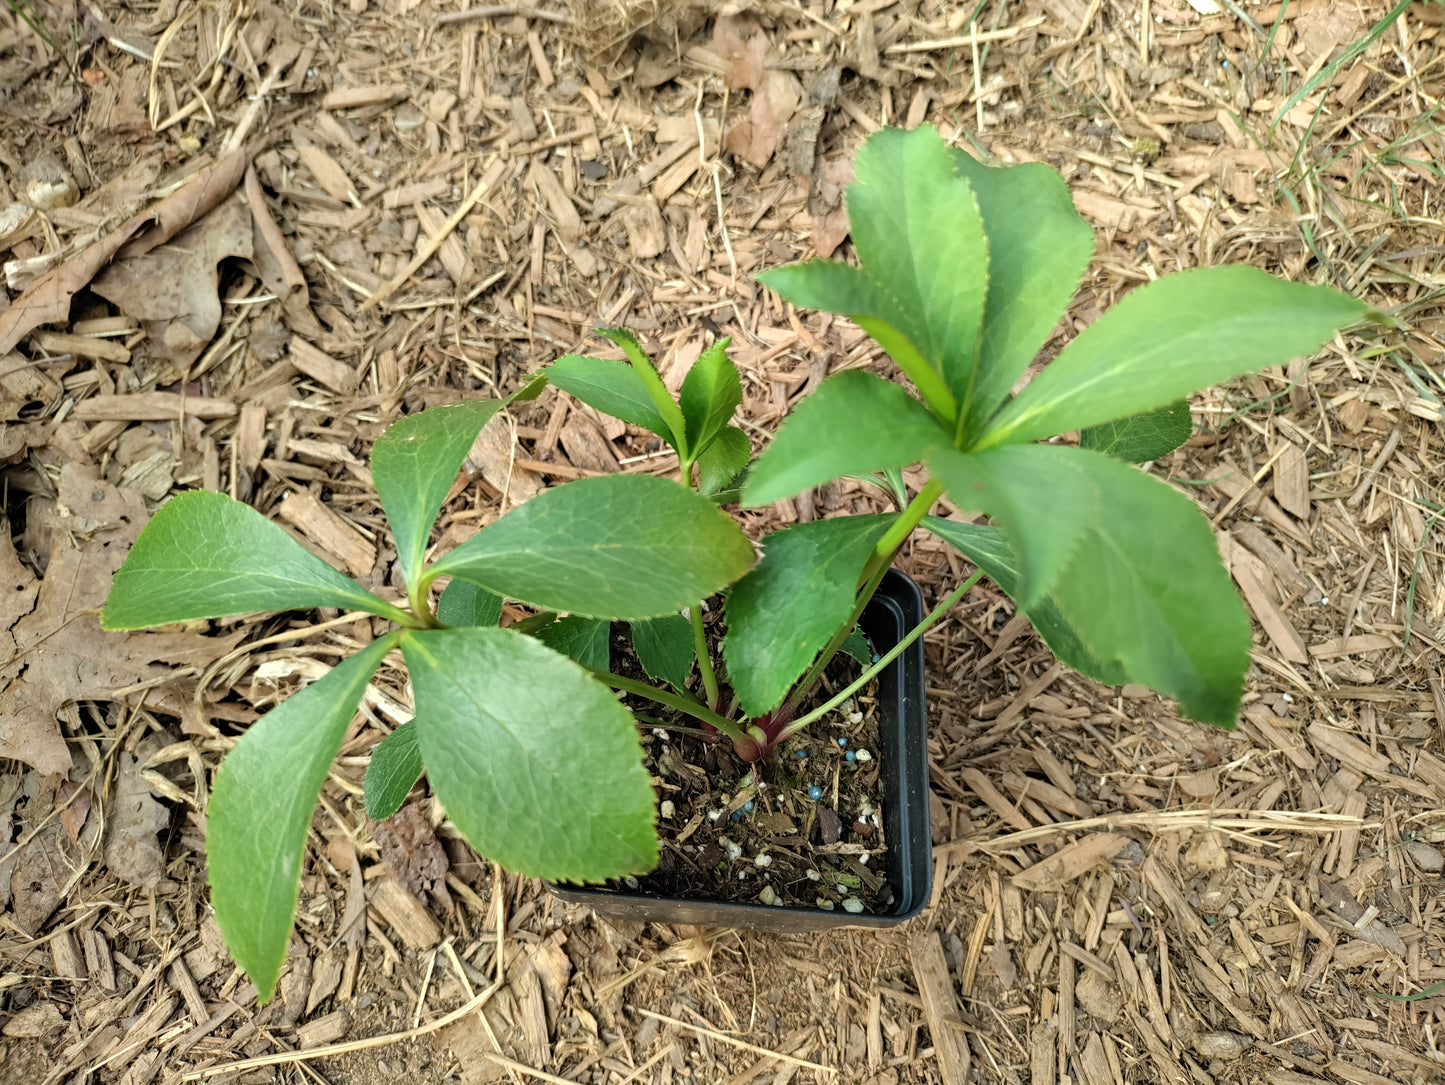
<point>204,555</point>
<point>582,640</point>
<point>854,423</point>
<point>1146,590</point>
<point>1038,250</point>
<point>781,614</point>
<point>413,465</point>
<point>1169,338</point>
<point>261,809</point>
<point>463,603</point>
<point>1040,495</point>
<point>666,649</point>
<point>916,226</point>
<point>1141,437</point>
<point>711,392</point>
<point>723,461</point>
<point>661,398</point>
<point>612,387</point>
<point>393,771</point>
<point>535,761</point>
<point>615,546</point>
<point>984,545</point>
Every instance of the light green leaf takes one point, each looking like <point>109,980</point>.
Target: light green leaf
<point>413,465</point>
<point>661,398</point>
<point>261,807</point>
<point>781,614</point>
<point>984,545</point>
<point>1141,437</point>
<point>1147,592</point>
<point>582,640</point>
<point>615,546</point>
<point>612,387</point>
<point>916,226</point>
<point>841,288</point>
<point>854,423</point>
<point>1039,494</point>
<point>463,603</point>
<point>204,555</point>
<point>666,649</point>
<point>392,772</point>
<point>723,461</point>
<point>536,762</point>
<point>1169,338</point>
<point>711,392</point>
<point>1038,250</point>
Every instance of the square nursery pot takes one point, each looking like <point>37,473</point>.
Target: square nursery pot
<point>896,607</point>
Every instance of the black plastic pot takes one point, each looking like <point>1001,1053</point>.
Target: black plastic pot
<point>896,608</point>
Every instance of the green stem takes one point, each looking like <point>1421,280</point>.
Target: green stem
<point>675,701</point>
<point>892,654</point>
<point>901,528</point>
<point>704,661</point>
<point>804,687</point>
<point>417,596</point>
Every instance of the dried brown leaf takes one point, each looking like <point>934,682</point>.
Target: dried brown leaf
<point>413,854</point>
<point>775,94</point>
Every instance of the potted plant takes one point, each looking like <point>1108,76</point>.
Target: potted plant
<point>964,270</point>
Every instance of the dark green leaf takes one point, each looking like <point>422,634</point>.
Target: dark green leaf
<point>1141,437</point>
<point>984,545</point>
<point>661,398</point>
<point>665,648</point>
<point>582,640</point>
<point>854,423</point>
<point>413,465</point>
<point>203,555</point>
<point>463,603</point>
<point>1169,338</point>
<point>1147,593</point>
<point>261,807</point>
<point>393,771</point>
<point>616,546</point>
<point>1039,494</point>
<point>857,646</point>
<point>723,461</point>
<point>536,762</point>
<point>711,392</point>
<point>781,614</point>
<point>1038,250</point>
<point>612,387</point>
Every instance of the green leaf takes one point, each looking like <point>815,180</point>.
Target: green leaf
<point>616,546</point>
<point>463,603</point>
<point>612,387</point>
<point>1169,338</point>
<point>841,288</point>
<point>984,545</point>
<point>723,461</point>
<point>413,465</point>
<point>854,423</point>
<point>1146,593</point>
<point>661,398</point>
<point>582,640</point>
<point>1038,250</point>
<point>857,646</point>
<point>916,226</point>
<point>392,772</point>
<point>781,614</point>
<point>1141,437</point>
<point>711,392</point>
<point>666,649</point>
<point>261,807</point>
<point>204,555</point>
<point>536,762</point>
<point>1039,494</point>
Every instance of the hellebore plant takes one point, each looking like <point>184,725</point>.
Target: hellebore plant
<point>964,272</point>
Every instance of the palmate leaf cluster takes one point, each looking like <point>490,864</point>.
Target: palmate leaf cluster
<point>964,271</point>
